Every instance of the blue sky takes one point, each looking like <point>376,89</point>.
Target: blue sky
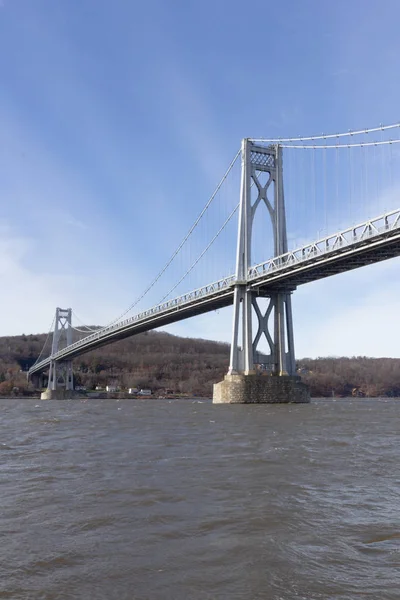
<point>118,119</point>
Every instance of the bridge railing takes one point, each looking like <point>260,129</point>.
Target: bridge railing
<point>339,241</point>
<point>348,237</point>
<point>175,303</point>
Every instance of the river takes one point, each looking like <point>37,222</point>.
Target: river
<point>183,500</point>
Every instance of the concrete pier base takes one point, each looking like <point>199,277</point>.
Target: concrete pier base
<point>260,389</point>
<point>60,394</point>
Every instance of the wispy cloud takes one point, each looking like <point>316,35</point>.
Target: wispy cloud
<point>30,293</point>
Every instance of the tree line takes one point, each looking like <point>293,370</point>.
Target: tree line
<point>161,361</point>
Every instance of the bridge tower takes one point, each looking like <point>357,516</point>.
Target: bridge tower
<point>277,381</point>
<point>61,381</point>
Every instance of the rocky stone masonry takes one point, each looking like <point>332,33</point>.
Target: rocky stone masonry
<point>260,389</point>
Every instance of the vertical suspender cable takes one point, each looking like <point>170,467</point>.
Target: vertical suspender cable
<point>313,190</point>
<point>296,187</point>
<point>303,214</point>
<point>351,154</point>
<point>293,194</point>
<point>382,188</point>
<point>325,192</point>
<point>376,168</point>
<point>290,197</point>
<point>364,157</point>
<point>337,181</point>
<point>391,166</point>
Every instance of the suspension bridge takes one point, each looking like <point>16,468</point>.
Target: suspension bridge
<point>295,195</point>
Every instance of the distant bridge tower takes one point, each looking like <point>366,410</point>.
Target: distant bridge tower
<point>243,383</point>
<point>61,381</point>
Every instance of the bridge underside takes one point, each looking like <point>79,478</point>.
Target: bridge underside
<point>154,322</point>
<point>286,279</point>
<point>344,260</point>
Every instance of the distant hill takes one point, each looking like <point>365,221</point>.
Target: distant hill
<point>161,361</point>
<point>155,360</point>
<point>357,376</point>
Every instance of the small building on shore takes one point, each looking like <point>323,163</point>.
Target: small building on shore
<point>112,388</point>
<point>144,392</point>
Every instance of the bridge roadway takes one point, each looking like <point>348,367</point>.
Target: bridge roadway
<point>364,244</point>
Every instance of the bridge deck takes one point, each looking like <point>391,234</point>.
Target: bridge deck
<point>367,243</point>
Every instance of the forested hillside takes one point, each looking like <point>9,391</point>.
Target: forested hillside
<point>160,361</point>
<point>357,376</point>
<point>155,360</point>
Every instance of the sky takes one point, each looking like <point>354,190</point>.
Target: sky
<point>118,119</point>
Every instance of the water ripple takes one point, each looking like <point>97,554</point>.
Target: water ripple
<point>184,500</point>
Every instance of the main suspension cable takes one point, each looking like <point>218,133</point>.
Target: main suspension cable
<point>202,254</point>
<point>87,328</point>
<point>339,146</point>
<point>183,242</point>
<point>325,137</point>
<point>205,249</point>
<point>47,339</point>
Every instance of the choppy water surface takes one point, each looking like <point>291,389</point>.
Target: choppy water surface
<point>158,499</point>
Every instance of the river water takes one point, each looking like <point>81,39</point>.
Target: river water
<point>183,500</point>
